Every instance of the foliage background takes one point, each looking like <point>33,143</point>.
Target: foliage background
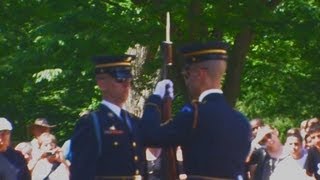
<point>46,46</point>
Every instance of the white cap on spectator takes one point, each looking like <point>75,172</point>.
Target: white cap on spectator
<point>262,132</point>
<point>5,124</point>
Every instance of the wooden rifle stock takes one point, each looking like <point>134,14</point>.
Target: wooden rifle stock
<point>169,153</point>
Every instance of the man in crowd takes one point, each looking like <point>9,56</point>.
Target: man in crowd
<point>105,144</point>
<point>14,159</point>
<point>6,169</point>
<point>255,125</point>
<point>214,138</point>
<point>313,160</point>
<point>273,161</point>
<point>294,143</point>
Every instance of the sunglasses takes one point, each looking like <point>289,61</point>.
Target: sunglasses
<point>122,80</point>
<point>265,138</point>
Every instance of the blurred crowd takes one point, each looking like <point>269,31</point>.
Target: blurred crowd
<point>297,158</point>
<point>42,159</point>
<point>38,159</point>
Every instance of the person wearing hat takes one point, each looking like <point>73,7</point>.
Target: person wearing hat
<point>40,126</point>
<point>273,161</point>
<point>214,138</point>
<point>105,143</point>
<point>12,163</point>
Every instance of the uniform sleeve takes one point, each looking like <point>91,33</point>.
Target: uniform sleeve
<point>83,150</point>
<point>158,134</point>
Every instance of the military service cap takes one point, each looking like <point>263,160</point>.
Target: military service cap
<point>199,52</point>
<point>116,66</point>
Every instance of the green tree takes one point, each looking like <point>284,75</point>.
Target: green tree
<point>46,48</point>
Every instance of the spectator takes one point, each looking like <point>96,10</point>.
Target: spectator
<point>313,159</point>
<point>39,126</point>
<point>294,144</point>
<point>303,128</point>
<point>6,169</point>
<point>52,164</point>
<point>293,131</point>
<point>273,161</point>
<point>312,122</point>
<point>26,149</point>
<point>66,150</point>
<point>308,142</point>
<point>256,124</point>
<point>15,159</point>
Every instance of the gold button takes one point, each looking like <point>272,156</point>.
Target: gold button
<point>137,177</point>
<point>115,143</point>
<point>137,171</point>
<point>134,144</point>
<point>136,158</point>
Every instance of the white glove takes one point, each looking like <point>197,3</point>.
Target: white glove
<point>162,86</point>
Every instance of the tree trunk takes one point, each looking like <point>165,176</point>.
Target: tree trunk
<point>235,65</point>
<point>196,27</point>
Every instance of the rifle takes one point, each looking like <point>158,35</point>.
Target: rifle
<point>168,160</point>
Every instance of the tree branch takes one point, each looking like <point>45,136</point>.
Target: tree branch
<point>272,3</point>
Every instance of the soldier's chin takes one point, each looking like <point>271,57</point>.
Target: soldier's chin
<point>123,99</point>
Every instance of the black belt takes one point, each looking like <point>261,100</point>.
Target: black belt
<point>196,177</point>
<point>135,177</point>
<point>138,177</point>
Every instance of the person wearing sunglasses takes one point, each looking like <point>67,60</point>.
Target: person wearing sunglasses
<point>273,161</point>
<point>105,142</point>
<point>214,138</point>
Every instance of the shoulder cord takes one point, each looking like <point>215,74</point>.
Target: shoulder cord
<point>97,131</point>
<point>195,104</point>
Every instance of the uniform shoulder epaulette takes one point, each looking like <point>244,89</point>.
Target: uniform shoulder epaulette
<point>153,105</point>
<point>85,114</point>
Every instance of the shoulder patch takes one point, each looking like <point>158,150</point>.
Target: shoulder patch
<point>187,108</point>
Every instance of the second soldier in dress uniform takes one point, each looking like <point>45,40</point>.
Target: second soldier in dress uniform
<point>214,138</point>
<point>105,144</point>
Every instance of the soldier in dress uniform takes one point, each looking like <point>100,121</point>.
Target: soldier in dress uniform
<point>105,143</point>
<point>214,138</point>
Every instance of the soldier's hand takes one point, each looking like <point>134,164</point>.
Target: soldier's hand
<point>162,87</point>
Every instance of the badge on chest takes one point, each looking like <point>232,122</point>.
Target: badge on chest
<point>112,130</point>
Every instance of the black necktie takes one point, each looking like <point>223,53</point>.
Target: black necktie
<point>125,118</point>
